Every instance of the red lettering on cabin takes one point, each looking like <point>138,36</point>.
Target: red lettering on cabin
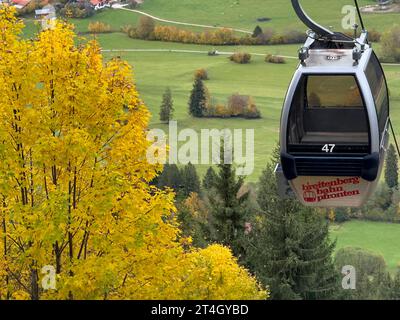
<point>326,190</point>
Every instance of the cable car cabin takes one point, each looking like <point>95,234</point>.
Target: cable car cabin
<point>334,124</point>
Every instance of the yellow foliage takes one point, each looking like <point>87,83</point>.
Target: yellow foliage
<point>99,27</point>
<point>74,183</point>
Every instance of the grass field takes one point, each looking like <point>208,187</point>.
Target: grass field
<point>155,71</point>
<point>381,238</point>
<point>237,14</point>
<point>244,13</point>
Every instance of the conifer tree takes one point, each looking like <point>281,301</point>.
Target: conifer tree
<point>228,208</point>
<point>190,180</point>
<point>392,168</point>
<point>170,177</point>
<point>257,32</point>
<point>395,292</point>
<point>167,106</point>
<point>209,178</point>
<point>290,250</point>
<point>198,99</point>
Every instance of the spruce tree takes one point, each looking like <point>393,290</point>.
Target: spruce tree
<point>170,177</point>
<point>257,32</point>
<point>190,180</point>
<point>228,208</point>
<point>209,178</point>
<point>167,106</point>
<point>395,292</point>
<point>198,99</point>
<point>392,169</point>
<point>290,250</point>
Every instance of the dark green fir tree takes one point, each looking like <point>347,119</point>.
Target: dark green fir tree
<point>198,99</point>
<point>290,250</point>
<point>167,106</point>
<point>392,168</point>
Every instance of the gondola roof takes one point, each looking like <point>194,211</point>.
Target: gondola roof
<point>330,59</point>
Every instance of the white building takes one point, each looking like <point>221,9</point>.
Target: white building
<point>47,16</point>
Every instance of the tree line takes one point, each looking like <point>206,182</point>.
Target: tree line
<point>201,104</point>
<point>147,29</point>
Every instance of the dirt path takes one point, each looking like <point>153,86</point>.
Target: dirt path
<point>185,51</point>
<point>180,23</point>
<point>206,52</point>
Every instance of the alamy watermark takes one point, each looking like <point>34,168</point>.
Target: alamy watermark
<point>188,146</point>
<point>349,20</point>
<point>49,278</point>
<point>349,279</point>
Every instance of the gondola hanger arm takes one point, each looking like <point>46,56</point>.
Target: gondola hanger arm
<point>315,27</point>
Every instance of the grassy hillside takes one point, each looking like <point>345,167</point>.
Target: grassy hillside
<point>244,13</point>
<point>381,238</point>
<point>237,14</point>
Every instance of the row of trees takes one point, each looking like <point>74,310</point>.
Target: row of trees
<point>201,104</point>
<point>147,29</point>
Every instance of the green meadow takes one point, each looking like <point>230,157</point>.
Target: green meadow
<point>380,238</point>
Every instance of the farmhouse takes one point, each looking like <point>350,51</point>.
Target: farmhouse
<point>100,4</point>
<point>47,16</point>
<point>19,4</point>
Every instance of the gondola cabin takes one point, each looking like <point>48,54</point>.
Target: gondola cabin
<point>334,124</point>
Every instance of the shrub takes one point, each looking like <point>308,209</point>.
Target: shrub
<point>243,106</point>
<point>391,44</point>
<point>77,10</point>
<point>99,27</point>
<point>374,35</point>
<point>240,57</point>
<point>237,104</point>
<point>274,59</point>
<point>126,28</point>
<point>251,111</point>
<point>133,4</point>
<point>145,28</point>
<point>201,74</point>
<point>222,111</point>
<point>293,36</point>
<point>277,39</point>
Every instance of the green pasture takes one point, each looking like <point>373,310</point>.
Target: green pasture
<point>380,238</point>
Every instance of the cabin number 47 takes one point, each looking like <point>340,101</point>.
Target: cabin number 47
<point>328,148</point>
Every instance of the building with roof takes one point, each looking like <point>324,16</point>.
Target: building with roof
<point>47,16</point>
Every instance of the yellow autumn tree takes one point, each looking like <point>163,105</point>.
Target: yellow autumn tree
<point>75,188</point>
